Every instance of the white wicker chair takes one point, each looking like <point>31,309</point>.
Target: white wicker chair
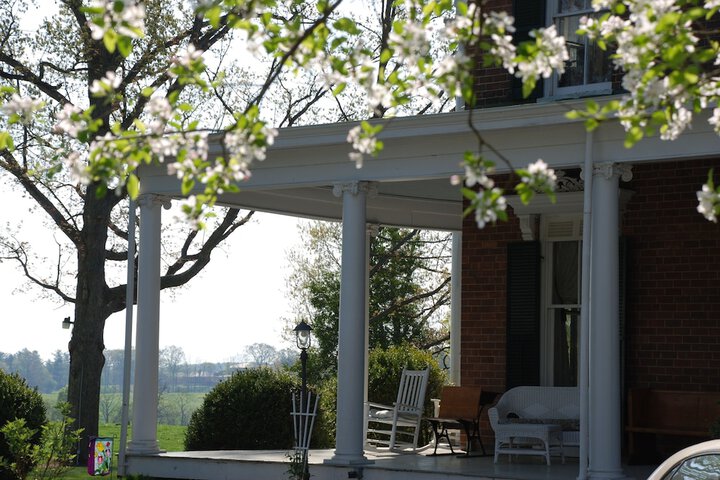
<point>391,425</point>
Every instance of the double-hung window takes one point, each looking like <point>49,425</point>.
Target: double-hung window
<point>588,70</point>
<point>562,303</point>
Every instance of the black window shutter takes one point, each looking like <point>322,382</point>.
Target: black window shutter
<point>523,314</point>
<point>529,15</point>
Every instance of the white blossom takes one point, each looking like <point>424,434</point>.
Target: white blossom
<point>362,143</point>
<point>23,107</point>
<point>161,111</point>
<point>708,202</point>
<point>504,49</point>
<point>552,55</point>
<point>125,22</point>
<point>185,58</point>
<point>488,206</point>
<point>77,167</point>
<point>66,123</point>
<point>540,176</point>
<point>197,146</point>
<point>163,146</point>
<point>715,120</point>
<point>678,122</point>
<point>107,84</point>
<point>475,176</point>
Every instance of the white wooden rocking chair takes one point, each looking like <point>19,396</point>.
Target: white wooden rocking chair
<point>399,425</point>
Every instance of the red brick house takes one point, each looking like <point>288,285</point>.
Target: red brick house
<point>621,271</point>
<point>522,293</point>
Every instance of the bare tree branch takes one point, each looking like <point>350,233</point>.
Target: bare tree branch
<point>26,75</point>
<point>8,163</point>
<point>408,300</point>
<point>18,254</point>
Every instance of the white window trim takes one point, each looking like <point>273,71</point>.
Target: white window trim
<point>550,90</point>
<point>547,345</point>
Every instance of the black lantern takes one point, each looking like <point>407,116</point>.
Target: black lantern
<point>303,338</point>
<point>303,335</point>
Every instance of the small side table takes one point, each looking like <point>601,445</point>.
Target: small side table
<point>520,439</point>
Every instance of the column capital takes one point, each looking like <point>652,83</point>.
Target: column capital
<point>354,188</point>
<point>609,170</point>
<point>152,199</point>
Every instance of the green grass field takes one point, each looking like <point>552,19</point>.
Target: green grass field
<point>170,438</point>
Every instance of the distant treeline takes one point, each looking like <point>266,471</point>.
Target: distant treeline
<point>176,375</point>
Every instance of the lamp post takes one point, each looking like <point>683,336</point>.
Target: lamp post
<point>303,337</point>
<point>66,323</point>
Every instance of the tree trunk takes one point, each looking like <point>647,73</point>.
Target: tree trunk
<point>86,343</point>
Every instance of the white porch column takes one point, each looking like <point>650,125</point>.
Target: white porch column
<point>455,307</point>
<point>145,403</point>
<point>604,383</point>
<point>349,438</point>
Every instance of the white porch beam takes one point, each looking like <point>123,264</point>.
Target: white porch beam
<point>604,382</point>
<point>349,437</point>
<point>147,340</point>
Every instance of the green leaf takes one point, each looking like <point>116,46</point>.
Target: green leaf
<point>339,88</point>
<point>110,40</point>
<point>634,135</point>
<point>187,185</point>
<point>133,186</point>
<point>345,24</point>
<point>528,87</point>
<point>213,15</point>
<point>6,141</point>
<point>573,115</point>
<point>591,124</point>
<point>124,45</point>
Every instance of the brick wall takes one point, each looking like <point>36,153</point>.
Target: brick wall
<point>673,309</point>
<point>484,302</point>
<point>673,286</point>
<point>492,84</point>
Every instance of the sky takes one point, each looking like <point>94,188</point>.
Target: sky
<point>238,300</point>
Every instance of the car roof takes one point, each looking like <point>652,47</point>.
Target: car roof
<point>703,448</point>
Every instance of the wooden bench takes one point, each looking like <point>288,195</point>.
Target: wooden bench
<point>460,409</point>
<point>668,412</point>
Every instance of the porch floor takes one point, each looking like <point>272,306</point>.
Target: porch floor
<point>262,464</point>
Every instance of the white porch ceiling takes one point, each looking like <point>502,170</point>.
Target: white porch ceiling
<point>412,173</point>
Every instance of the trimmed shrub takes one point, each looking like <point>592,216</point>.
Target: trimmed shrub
<point>18,400</point>
<point>323,435</point>
<point>385,366</point>
<point>248,411</point>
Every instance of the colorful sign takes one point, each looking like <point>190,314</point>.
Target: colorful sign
<point>100,456</point>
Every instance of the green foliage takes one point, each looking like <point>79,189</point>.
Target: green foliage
<point>409,288</point>
<point>18,437</point>
<point>18,401</point>
<point>384,370</point>
<point>50,458</point>
<point>55,453</point>
<point>248,411</point>
<point>323,435</point>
